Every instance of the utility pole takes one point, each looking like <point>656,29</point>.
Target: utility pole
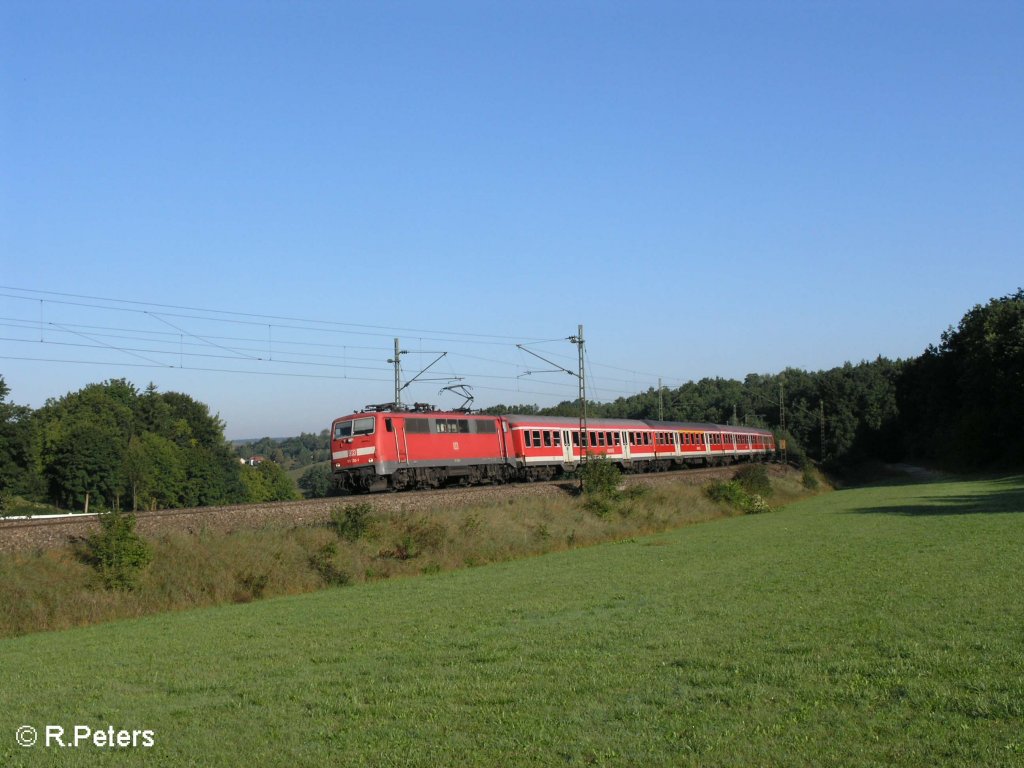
<point>782,406</point>
<point>578,341</point>
<point>581,375</point>
<point>398,374</point>
<point>782,420</point>
<point>821,410</point>
<point>661,402</point>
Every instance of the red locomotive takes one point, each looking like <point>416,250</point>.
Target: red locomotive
<point>380,449</point>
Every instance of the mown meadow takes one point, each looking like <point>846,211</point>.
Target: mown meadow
<point>874,626</point>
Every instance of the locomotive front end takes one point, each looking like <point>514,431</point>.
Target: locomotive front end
<point>354,452</point>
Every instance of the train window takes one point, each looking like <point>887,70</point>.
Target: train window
<point>417,426</point>
<point>485,427</point>
<point>344,429</point>
<point>388,426</point>
<point>618,438</point>
<point>556,438</point>
<point>536,438</point>
<point>576,439</point>
<point>600,438</point>
<point>547,439</point>
<point>526,438</point>
<point>363,426</point>
<point>463,426</point>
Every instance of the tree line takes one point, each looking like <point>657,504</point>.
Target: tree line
<point>290,452</point>
<point>960,404</point>
<point>110,446</point>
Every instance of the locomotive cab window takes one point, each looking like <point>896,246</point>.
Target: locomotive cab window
<point>343,430</point>
<point>363,426</point>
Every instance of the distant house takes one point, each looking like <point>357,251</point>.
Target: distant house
<point>255,461</point>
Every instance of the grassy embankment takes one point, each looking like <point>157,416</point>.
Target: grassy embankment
<point>57,590</point>
<point>879,626</point>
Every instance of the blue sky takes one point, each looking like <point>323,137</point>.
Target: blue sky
<point>711,189</point>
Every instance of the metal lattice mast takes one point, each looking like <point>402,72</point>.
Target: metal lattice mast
<point>578,341</point>
<point>397,360</point>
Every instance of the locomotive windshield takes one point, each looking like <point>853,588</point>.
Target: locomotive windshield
<point>353,428</point>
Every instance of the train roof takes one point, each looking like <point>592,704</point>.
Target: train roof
<point>706,426</point>
<point>568,422</point>
<point>518,420</point>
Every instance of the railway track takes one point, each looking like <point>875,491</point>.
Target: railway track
<point>41,533</point>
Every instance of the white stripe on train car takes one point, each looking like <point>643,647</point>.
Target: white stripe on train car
<point>357,452</point>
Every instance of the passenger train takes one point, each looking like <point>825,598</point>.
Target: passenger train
<point>385,449</point>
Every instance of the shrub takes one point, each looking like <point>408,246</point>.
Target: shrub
<point>753,478</point>
<point>116,552</point>
<point>415,537</point>
<point>351,522</point>
<point>601,477</point>
<point>733,494</point>
<point>323,562</point>
<point>809,479</point>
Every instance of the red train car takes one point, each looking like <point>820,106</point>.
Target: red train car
<point>388,450</point>
<point>394,450</point>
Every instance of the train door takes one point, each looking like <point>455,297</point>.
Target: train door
<point>567,446</point>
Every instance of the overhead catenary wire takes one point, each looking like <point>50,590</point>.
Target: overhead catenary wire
<point>288,341</point>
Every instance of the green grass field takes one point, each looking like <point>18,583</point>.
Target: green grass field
<point>869,627</point>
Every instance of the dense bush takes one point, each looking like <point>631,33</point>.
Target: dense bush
<point>600,476</point>
<point>116,552</point>
<point>753,478</point>
<point>351,522</point>
<point>733,494</point>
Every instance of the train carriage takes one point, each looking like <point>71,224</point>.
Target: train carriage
<point>544,445</point>
<point>397,450</point>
